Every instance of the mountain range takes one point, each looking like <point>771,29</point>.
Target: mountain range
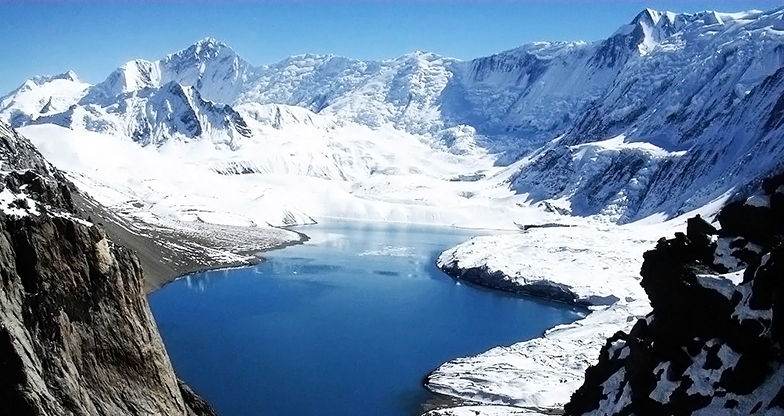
<point>662,117</point>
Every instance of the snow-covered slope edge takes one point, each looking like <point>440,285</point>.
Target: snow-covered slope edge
<point>589,264</point>
<point>707,347</point>
<point>155,205</point>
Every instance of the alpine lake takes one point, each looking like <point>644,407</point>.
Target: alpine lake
<point>349,323</point>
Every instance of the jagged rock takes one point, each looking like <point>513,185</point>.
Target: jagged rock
<point>76,333</point>
<point>713,343</point>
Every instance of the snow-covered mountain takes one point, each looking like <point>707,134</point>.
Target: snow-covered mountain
<point>669,113</point>
<point>42,95</point>
<point>154,115</point>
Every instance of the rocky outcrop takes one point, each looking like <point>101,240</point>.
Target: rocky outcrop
<point>713,343</point>
<point>496,279</point>
<point>76,333</point>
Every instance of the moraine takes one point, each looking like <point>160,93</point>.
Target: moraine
<point>349,323</point>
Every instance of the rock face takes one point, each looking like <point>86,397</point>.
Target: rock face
<point>76,333</point>
<point>713,343</point>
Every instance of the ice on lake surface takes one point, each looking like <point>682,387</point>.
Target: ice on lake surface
<point>348,324</point>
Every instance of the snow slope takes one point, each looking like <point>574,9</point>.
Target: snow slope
<point>597,263</point>
<point>351,172</point>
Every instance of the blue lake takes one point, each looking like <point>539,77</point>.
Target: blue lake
<point>348,324</point>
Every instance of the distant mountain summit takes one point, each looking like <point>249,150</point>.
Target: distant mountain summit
<point>670,112</point>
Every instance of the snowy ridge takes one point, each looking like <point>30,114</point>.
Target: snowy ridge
<point>211,67</point>
<point>155,115</point>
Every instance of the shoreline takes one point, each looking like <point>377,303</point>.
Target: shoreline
<point>170,251</point>
<point>254,258</point>
<point>580,268</point>
<point>173,249</point>
<point>497,281</point>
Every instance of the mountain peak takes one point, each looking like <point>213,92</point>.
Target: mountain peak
<point>209,44</point>
<point>204,49</point>
<point>66,76</point>
<point>202,52</point>
<point>419,56</point>
<point>209,40</point>
<point>649,15</point>
<point>654,18</point>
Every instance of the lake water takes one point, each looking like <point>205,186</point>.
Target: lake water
<point>348,324</point>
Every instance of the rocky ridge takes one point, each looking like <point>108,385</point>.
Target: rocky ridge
<point>76,333</point>
<point>713,343</point>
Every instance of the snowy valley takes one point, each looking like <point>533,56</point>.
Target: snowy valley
<point>616,142</point>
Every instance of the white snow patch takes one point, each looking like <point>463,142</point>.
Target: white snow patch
<point>665,387</point>
<point>704,379</point>
<point>723,254</point>
<point>609,405</point>
<point>758,201</point>
<point>390,251</point>
<point>743,311</point>
<point>745,403</point>
<point>483,411</point>
<point>722,283</point>
<point>599,263</point>
<point>17,205</point>
<point>619,143</point>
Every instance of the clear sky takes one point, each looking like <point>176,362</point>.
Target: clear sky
<point>93,38</point>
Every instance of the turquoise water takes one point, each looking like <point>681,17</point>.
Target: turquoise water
<point>347,324</point>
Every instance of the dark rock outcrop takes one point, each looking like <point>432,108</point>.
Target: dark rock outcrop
<point>713,343</point>
<point>76,333</point>
<point>495,279</point>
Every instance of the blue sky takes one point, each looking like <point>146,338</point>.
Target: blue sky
<point>93,38</point>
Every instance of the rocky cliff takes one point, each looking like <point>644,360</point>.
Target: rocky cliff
<point>76,333</point>
<point>713,343</point>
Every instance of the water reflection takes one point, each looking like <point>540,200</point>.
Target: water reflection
<point>200,282</point>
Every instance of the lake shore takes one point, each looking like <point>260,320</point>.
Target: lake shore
<point>358,295</point>
<point>525,375</point>
<point>593,264</point>
<point>170,249</point>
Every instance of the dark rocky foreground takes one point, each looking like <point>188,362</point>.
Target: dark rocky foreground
<point>76,333</point>
<point>713,343</point>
